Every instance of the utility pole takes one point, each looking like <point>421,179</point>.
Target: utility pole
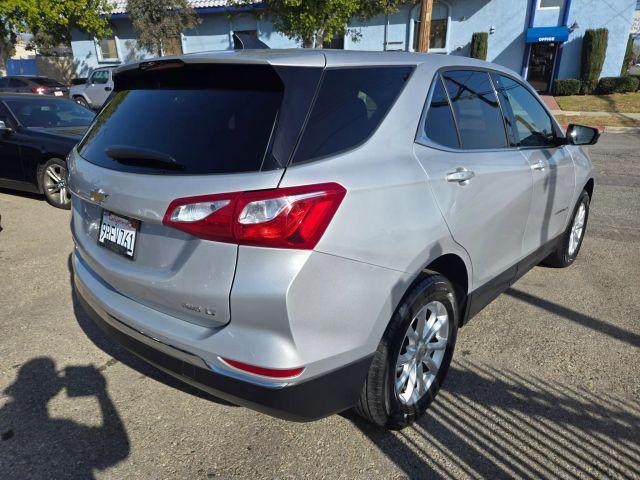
<point>426,7</point>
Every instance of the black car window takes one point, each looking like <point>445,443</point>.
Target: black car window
<point>16,83</point>
<point>218,119</point>
<point>101,76</point>
<point>47,82</point>
<point>49,112</point>
<point>476,109</point>
<point>533,124</point>
<point>439,125</point>
<point>350,105</point>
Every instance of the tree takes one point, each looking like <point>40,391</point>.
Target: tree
<point>50,21</point>
<point>156,21</point>
<point>628,57</point>
<point>314,22</point>
<point>479,45</point>
<point>594,50</point>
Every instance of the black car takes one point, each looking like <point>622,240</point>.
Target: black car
<point>33,84</point>
<point>36,135</point>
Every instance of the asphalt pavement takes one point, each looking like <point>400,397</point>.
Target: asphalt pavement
<point>545,381</point>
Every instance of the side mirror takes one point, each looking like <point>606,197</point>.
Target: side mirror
<point>4,128</point>
<point>581,135</point>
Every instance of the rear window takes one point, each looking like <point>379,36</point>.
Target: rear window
<point>207,122</point>
<point>47,82</point>
<point>351,104</point>
<point>49,112</point>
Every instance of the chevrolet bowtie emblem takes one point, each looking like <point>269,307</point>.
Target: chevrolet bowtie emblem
<point>98,196</point>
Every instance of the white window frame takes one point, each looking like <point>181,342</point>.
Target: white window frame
<point>412,30</point>
<point>96,42</point>
<point>540,7</point>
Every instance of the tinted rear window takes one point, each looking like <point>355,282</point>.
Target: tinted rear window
<point>439,125</point>
<point>205,128</point>
<point>47,82</point>
<point>476,109</point>
<point>351,103</point>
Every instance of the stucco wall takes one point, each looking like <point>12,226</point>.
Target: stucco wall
<point>506,19</point>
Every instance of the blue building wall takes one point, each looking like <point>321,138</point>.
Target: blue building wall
<point>506,20</point>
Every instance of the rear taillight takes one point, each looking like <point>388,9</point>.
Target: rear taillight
<point>38,90</point>
<point>292,217</point>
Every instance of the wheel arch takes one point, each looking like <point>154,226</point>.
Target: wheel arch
<point>454,269</point>
<point>589,187</point>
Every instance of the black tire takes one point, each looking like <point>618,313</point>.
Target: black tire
<point>561,256</point>
<point>51,188</point>
<point>379,402</point>
<point>81,101</point>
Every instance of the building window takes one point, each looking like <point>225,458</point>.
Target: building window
<point>172,46</point>
<point>107,49</point>
<point>439,25</point>
<point>550,4</point>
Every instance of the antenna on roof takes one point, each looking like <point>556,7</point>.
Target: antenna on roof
<point>245,41</point>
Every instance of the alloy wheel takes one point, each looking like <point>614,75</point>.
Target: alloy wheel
<point>55,184</point>
<point>421,353</point>
<point>577,229</point>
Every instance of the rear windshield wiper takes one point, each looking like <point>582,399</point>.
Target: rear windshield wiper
<point>142,157</point>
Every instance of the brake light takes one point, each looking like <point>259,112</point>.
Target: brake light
<point>292,217</point>
<point>265,372</point>
<point>38,90</point>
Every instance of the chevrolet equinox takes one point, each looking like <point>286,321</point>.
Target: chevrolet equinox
<point>303,231</point>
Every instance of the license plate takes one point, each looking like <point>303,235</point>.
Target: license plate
<point>57,94</point>
<point>118,234</point>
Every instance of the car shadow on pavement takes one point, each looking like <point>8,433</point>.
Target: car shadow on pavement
<point>498,424</point>
<point>122,355</point>
<point>580,318</point>
<point>35,444</point>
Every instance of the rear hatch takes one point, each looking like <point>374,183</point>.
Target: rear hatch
<point>173,130</point>
<point>47,86</point>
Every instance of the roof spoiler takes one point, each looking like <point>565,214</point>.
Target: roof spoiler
<point>245,41</point>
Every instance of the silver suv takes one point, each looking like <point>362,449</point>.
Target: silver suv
<point>96,89</point>
<point>302,232</point>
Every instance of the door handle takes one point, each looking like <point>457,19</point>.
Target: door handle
<point>108,89</point>
<point>460,175</point>
<point>541,165</point>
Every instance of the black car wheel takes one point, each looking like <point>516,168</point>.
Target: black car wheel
<point>413,356</point>
<point>570,242</point>
<point>81,101</point>
<point>53,178</point>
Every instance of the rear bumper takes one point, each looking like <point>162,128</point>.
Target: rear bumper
<point>308,400</point>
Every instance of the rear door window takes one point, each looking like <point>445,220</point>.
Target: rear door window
<point>476,109</point>
<point>351,104</point>
<point>439,125</point>
<point>206,123</point>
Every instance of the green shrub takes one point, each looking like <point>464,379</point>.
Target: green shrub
<point>594,49</point>
<point>566,86</point>
<point>638,77</point>
<point>479,45</point>
<point>626,84</point>
<point>628,57</point>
